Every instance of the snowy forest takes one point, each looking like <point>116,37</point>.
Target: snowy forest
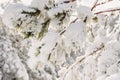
<point>59,39</point>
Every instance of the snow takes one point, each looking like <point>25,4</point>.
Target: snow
<point>75,34</point>
<point>14,10</point>
<point>112,70</point>
<point>75,49</point>
<point>26,2</point>
<point>113,77</point>
<point>115,4</point>
<point>88,3</point>
<point>48,42</point>
<point>83,11</point>
<point>5,3</point>
<point>40,4</point>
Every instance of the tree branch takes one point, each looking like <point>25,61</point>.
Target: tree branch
<point>97,4</point>
<point>81,58</point>
<point>94,5</point>
<point>107,11</point>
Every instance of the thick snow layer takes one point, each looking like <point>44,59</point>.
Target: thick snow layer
<point>40,4</point>
<point>32,61</point>
<point>83,12</point>
<point>14,10</point>
<point>47,44</point>
<point>88,3</point>
<point>49,41</point>
<point>26,2</point>
<point>78,30</point>
<point>5,3</point>
<point>75,35</point>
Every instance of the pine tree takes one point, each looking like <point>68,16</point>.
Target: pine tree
<point>60,40</point>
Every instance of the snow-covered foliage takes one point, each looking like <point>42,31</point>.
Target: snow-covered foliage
<point>60,40</point>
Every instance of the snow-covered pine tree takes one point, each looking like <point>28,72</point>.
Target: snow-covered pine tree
<point>60,40</point>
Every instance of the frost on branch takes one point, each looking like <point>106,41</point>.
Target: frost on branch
<point>60,40</point>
